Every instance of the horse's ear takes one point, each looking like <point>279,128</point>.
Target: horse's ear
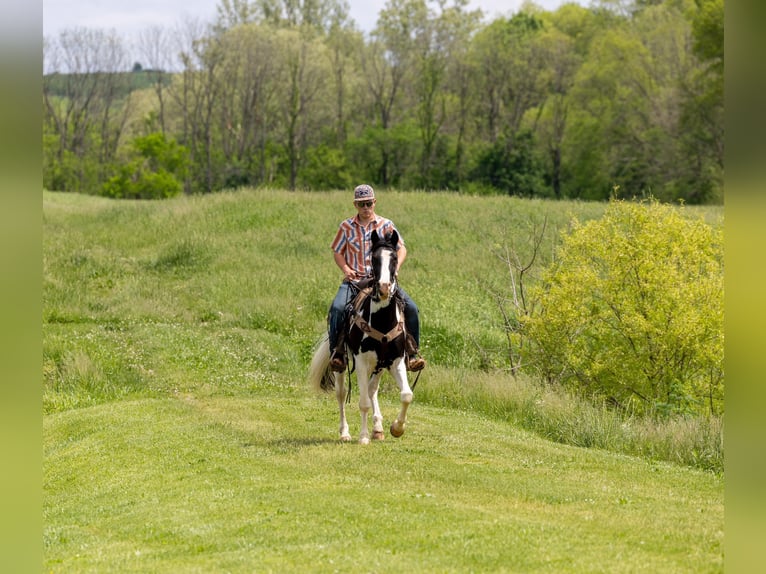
<point>394,239</point>
<point>375,238</point>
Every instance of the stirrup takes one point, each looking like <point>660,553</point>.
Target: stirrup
<point>415,363</point>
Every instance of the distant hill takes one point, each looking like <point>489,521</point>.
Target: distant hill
<point>126,82</point>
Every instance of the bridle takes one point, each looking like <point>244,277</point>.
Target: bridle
<point>374,292</point>
<point>376,272</point>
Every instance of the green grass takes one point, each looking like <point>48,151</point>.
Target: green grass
<point>180,435</point>
<point>261,484</point>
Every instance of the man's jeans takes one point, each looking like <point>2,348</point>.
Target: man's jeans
<point>346,294</point>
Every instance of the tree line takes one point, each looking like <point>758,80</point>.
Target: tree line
<point>621,98</point>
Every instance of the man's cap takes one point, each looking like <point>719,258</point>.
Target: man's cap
<point>364,191</point>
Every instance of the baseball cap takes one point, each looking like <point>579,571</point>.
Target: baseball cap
<point>363,192</point>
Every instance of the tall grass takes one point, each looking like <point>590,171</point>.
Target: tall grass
<point>227,294</point>
<point>562,417</point>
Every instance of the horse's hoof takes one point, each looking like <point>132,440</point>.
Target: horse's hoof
<point>378,435</point>
<point>345,438</point>
<point>397,431</point>
<point>364,440</point>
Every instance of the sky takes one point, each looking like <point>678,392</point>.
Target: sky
<point>128,17</point>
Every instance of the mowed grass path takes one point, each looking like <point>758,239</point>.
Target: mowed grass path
<point>261,484</point>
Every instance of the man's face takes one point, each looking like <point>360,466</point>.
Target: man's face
<point>365,206</point>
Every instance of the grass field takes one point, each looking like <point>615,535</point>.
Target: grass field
<point>180,436</point>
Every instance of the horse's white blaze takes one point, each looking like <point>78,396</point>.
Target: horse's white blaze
<point>385,281</point>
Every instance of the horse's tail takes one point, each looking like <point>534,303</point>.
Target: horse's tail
<point>320,375</point>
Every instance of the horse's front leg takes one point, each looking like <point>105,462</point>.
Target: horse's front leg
<point>377,416</point>
<point>340,394</point>
<point>399,372</point>
<point>363,375</point>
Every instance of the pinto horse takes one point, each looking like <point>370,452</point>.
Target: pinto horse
<point>375,336</point>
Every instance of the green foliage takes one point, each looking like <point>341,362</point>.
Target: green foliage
<point>708,31</point>
<point>326,168</point>
<point>380,154</point>
<point>632,311</point>
<point>79,169</point>
<point>156,170</point>
<point>639,114</point>
<point>511,167</point>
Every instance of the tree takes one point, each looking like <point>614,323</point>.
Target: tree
<point>188,95</point>
<point>510,66</point>
<point>343,46</point>
<point>702,115</point>
<point>154,45</point>
<point>303,69</point>
<point>206,88</point>
<point>387,65</point>
<point>460,27</point>
<point>511,168</point>
<point>549,120</point>
<point>232,13</point>
<point>510,76</point>
<point>86,97</point>
<point>707,31</point>
<point>320,15</point>
<point>247,102</point>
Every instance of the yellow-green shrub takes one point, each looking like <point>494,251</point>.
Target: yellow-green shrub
<point>631,311</point>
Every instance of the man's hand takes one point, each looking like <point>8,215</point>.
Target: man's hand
<point>350,274</point>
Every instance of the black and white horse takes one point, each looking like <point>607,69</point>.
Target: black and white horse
<point>375,337</point>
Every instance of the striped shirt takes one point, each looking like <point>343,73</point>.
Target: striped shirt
<point>354,241</point>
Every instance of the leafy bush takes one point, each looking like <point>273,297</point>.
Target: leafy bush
<point>632,311</point>
<point>156,170</point>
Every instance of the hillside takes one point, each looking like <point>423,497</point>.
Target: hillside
<point>179,434</point>
<point>59,84</point>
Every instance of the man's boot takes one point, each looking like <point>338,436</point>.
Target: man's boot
<point>338,361</point>
<point>338,357</point>
<point>414,361</point>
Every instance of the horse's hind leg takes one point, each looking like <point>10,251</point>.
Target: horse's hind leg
<point>340,394</point>
<point>377,416</point>
<point>399,371</point>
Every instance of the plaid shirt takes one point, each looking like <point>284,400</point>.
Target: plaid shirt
<point>354,241</point>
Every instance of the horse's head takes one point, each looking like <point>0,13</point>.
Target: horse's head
<point>384,262</point>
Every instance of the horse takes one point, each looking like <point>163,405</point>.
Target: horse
<point>375,336</point>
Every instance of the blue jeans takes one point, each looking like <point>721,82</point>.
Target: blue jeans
<point>344,296</point>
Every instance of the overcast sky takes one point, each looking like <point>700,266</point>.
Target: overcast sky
<point>130,16</point>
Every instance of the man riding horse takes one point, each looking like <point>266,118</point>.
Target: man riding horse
<point>352,249</point>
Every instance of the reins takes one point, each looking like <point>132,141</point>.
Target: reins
<point>415,382</point>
